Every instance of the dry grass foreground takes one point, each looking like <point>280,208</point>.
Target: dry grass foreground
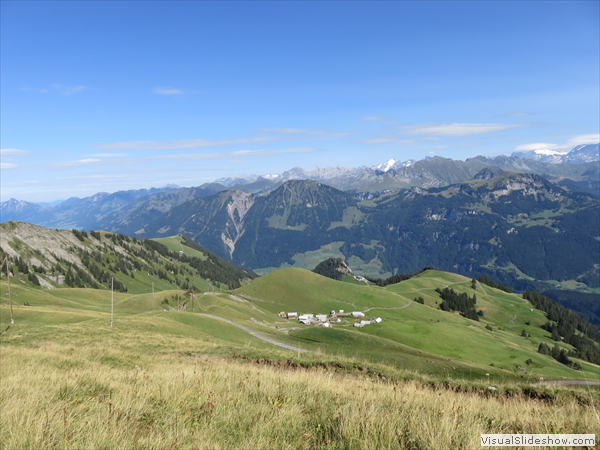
<point>55,395</point>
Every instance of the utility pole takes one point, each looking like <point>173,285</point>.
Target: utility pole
<point>112,300</point>
<point>153,301</point>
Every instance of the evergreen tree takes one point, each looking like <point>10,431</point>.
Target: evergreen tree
<point>543,349</point>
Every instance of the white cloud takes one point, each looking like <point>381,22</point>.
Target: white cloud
<point>79,163</point>
<point>7,166</point>
<point>536,146</point>
<point>184,144</point>
<point>167,91</point>
<point>273,152</point>
<point>13,152</point>
<point>109,155</point>
<point>213,156</point>
<point>289,131</point>
<point>457,129</point>
<point>379,140</point>
<point>515,114</point>
<point>68,90</point>
<point>304,134</point>
<point>190,157</point>
<point>583,139</point>
<point>372,118</point>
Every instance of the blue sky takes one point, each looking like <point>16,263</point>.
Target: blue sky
<point>105,96</point>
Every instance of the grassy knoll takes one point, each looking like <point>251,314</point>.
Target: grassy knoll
<point>166,378</point>
<point>465,348</point>
<point>174,243</point>
<point>298,289</point>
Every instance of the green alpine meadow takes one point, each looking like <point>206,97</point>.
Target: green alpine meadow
<point>191,352</point>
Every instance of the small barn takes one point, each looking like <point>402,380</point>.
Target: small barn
<point>358,314</point>
<point>292,315</point>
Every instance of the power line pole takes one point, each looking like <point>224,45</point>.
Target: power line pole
<point>112,300</point>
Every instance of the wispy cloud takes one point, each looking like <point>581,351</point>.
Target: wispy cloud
<point>57,88</point>
<point>303,134</point>
<point>574,141</point>
<point>68,90</point>
<point>190,156</point>
<point>290,131</point>
<point>13,152</point>
<point>227,155</point>
<point>515,114</point>
<point>7,166</point>
<point>395,139</point>
<point>167,91</point>
<point>109,155</point>
<point>373,118</point>
<point>457,129</point>
<point>535,146</point>
<point>79,163</point>
<point>273,152</point>
<point>184,144</point>
<point>583,139</point>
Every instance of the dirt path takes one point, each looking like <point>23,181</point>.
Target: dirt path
<point>257,335</point>
<point>569,382</point>
<point>481,286</point>
<point>395,307</point>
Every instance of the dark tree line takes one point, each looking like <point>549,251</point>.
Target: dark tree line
<point>397,278</point>
<point>564,324</point>
<point>491,283</point>
<point>329,268</point>
<point>453,301</point>
<point>561,355</point>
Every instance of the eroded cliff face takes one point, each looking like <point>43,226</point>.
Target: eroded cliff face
<point>237,208</point>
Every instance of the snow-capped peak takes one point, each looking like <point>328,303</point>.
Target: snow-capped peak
<point>385,166</point>
<point>271,176</point>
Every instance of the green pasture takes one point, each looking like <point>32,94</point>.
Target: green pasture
<point>413,337</point>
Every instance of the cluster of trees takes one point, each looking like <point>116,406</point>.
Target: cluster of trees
<point>587,306</point>
<point>453,301</point>
<point>487,280</point>
<point>81,235</point>
<point>559,354</point>
<point>397,278</point>
<point>329,268</point>
<point>33,278</point>
<point>390,280</point>
<point>565,325</point>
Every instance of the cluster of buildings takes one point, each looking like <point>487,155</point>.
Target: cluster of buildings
<point>323,320</point>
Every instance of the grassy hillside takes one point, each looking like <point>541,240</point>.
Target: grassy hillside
<point>464,348</point>
<point>167,376</point>
<point>60,258</point>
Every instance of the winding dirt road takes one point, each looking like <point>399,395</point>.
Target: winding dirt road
<point>255,334</point>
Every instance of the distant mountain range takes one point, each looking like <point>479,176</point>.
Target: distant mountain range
<point>516,227</point>
<point>578,155</point>
<point>130,211</point>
